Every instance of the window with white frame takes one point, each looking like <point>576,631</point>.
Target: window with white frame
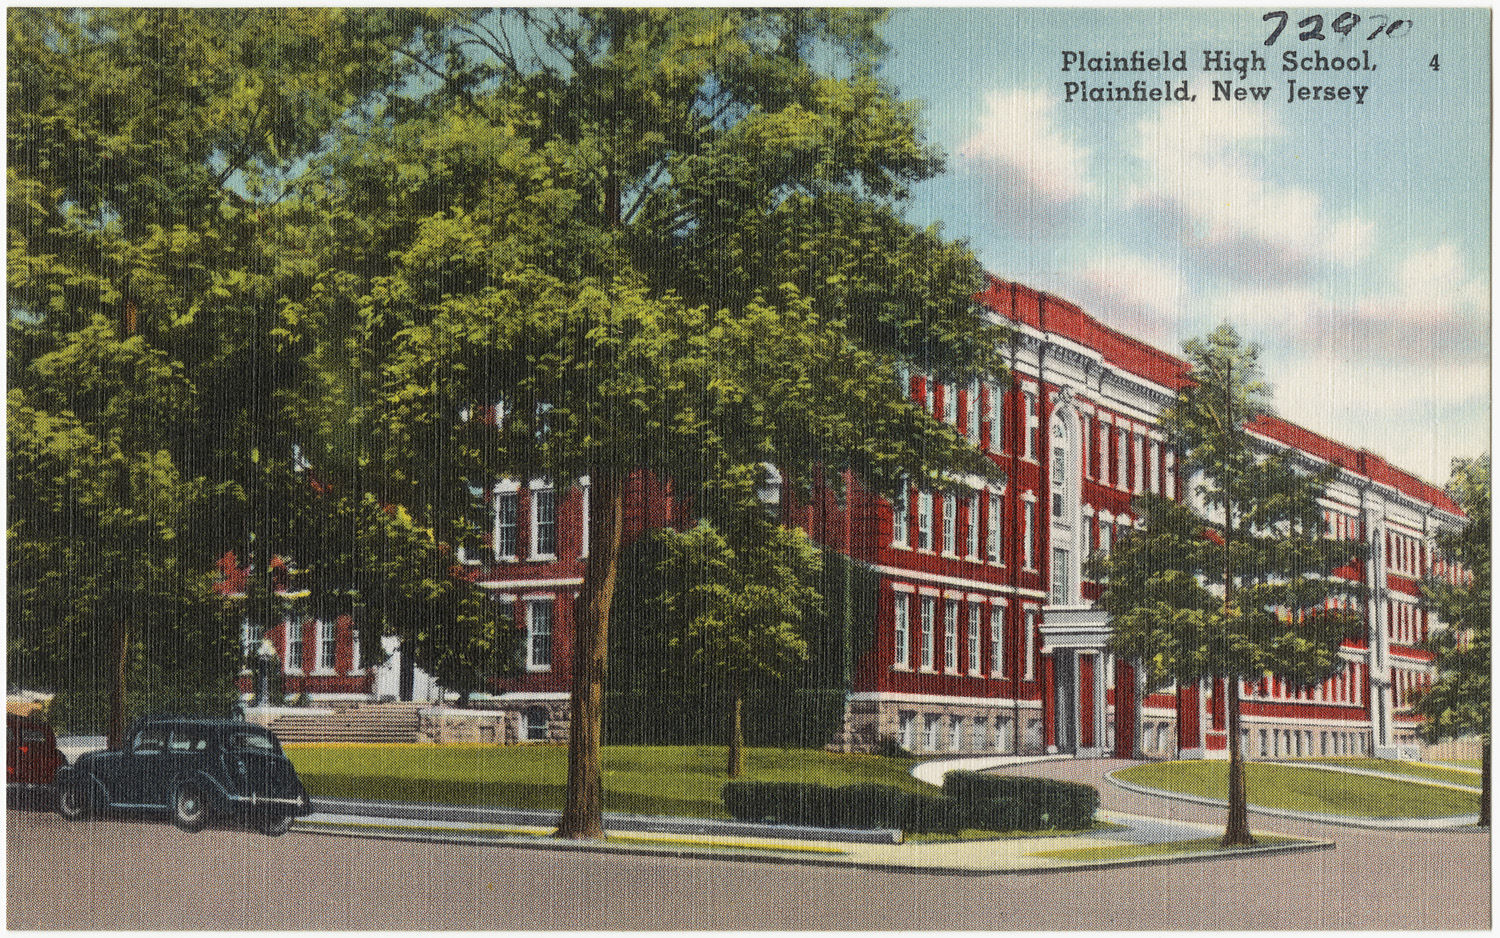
<point>950,636</point>
<point>251,634</point>
<point>900,506</point>
<point>543,522</point>
<point>979,734</point>
<point>1061,591</point>
<point>997,641</point>
<point>992,539</point>
<point>539,634</point>
<point>971,529</point>
<point>924,520</point>
<point>327,645</point>
<point>929,613</point>
<point>950,523</point>
<point>956,733</point>
<point>1033,426</point>
<point>293,646</point>
<point>901,657</point>
<point>976,613</point>
<point>1122,456</point>
<point>507,521</point>
<point>997,418</point>
<point>1030,664</point>
<point>950,404</point>
<point>1028,520</point>
<point>971,414</point>
<point>932,732</point>
<point>908,729</point>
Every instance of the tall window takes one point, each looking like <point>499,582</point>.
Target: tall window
<point>972,527</point>
<point>327,645</point>
<point>1030,666</point>
<point>976,612</point>
<point>950,523</point>
<point>950,636</point>
<point>1059,478</point>
<point>997,641</point>
<point>950,404</point>
<point>929,612</point>
<point>294,645</point>
<point>899,528</point>
<point>997,418</point>
<point>539,634</point>
<point>992,541</point>
<point>543,522</point>
<point>902,617</point>
<point>1033,426</point>
<point>1060,576</point>
<point>507,517</point>
<point>1028,518</point>
<point>924,520</point>
<point>1122,456</point>
<point>251,634</point>
<point>971,414</point>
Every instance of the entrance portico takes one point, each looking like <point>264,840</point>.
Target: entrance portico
<point>1075,639</point>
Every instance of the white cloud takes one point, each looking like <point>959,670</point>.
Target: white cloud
<point>1034,173</point>
<point>1139,296</point>
<point>1202,178</point>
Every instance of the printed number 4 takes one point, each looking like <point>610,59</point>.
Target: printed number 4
<point>1433,64</point>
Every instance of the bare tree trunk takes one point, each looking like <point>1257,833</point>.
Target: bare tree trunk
<point>583,810</point>
<point>736,766</point>
<point>120,652</point>
<point>1237,830</point>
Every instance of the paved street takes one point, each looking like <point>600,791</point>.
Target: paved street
<point>143,874</point>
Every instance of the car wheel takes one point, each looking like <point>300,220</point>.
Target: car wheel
<point>189,812</point>
<point>274,825</point>
<point>73,801</point>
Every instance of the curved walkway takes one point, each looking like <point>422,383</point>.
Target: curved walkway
<point>933,771</point>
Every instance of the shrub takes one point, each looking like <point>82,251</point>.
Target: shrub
<point>855,807</point>
<point>1020,803</point>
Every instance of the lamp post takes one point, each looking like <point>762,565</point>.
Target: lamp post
<point>265,656</point>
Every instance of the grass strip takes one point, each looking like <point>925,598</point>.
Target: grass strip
<point>1437,773</point>
<point>1294,788</point>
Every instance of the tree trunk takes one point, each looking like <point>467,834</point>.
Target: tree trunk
<point>736,766</point>
<point>583,810</point>
<point>1237,830</point>
<point>1484,781</point>
<point>120,653</point>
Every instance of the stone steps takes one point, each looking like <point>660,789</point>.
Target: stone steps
<point>367,723</point>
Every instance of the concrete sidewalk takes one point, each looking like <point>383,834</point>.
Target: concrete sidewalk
<point>1135,840</point>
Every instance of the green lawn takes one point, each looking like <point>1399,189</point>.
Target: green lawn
<point>1438,773</point>
<point>1132,851</point>
<point>682,781</point>
<point>1299,789</point>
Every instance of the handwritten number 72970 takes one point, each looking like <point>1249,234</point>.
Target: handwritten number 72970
<point>1344,25</point>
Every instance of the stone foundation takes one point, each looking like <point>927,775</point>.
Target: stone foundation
<point>924,727</point>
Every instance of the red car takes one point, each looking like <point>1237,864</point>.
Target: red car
<point>31,754</point>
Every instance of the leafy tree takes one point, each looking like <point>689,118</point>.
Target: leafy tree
<point>615,241</point>
<point>1458,702</point>
<point>1238,584</point>
<point>736,602</point>
<point>146,149</point>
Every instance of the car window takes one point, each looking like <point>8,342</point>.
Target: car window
<point>188,739</point>
<point>251,740</point>
<point>149,742</point>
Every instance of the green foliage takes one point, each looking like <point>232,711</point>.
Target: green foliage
<point>969,800</point>
<point>661,693</point>
<point>1022,803</point>
<point>1234,583</point>
<point>1458,702</point>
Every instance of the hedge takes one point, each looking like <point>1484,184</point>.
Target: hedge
<point>853,807</point>
<point>969,800</point>
<point>1021,803</point>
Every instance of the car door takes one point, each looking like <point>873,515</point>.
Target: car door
<point>138,775</point>
<point>188,750</point>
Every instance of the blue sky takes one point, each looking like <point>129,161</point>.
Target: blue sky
<point>1351,241</point>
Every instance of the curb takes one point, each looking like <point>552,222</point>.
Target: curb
<point>1395,824</point>
<point>634,823</point>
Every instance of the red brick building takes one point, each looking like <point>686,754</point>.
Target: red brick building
<point>986,639</point>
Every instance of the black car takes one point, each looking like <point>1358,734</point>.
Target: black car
<point>194,769</point>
